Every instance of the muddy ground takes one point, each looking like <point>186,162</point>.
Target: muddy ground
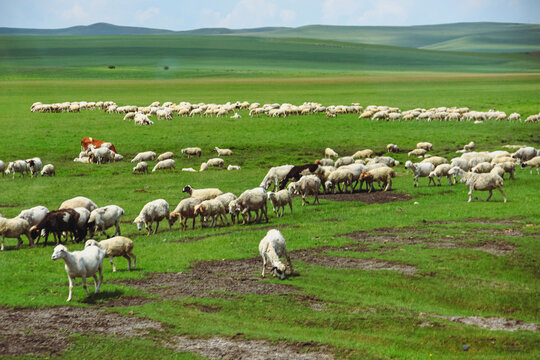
<point>376,197</point>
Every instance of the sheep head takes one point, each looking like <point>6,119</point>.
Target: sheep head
<point>187,189</point>
<point>279,270</point>
<point>139,221</point>
<point>59,252</point>
<point>91,242</point>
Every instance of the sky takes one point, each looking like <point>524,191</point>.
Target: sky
<point>238,14</point>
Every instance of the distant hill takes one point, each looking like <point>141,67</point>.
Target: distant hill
<point>470,37</point>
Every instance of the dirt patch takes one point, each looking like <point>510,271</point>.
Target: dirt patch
<point>222,348</point>
<point>78,175</point>
<point>204,308</point>
<point>248,228</point>
<point>331,220</point>
<point>496,248</point>
<point>140,191</point>
<point>508,221</point>
<point>378,197</point>
<point>46,331</point>
<point>498,232</point>
<point>492,323</point>
<point>127,301</point>
<point>219,278</point>
<point>9,205</point>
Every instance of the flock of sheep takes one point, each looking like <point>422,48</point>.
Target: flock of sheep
<point>141,114</point>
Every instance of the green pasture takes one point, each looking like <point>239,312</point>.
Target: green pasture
<point>365,314</point>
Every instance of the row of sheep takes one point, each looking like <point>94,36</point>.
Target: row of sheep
<point>29,167</point>
<point>166,111</point>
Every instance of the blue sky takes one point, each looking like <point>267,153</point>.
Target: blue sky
<point>192,14</point>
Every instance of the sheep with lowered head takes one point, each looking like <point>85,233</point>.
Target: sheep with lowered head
<point>155,210</point>
<point>223,152</point>
<point>308,185</point>
<point>79,201</point>
<point>141,168</point>
<point>48,170</point>
<point>279,200</point>
<point>13,229</point>
<point>533,163</point>
<point>251,200</point>
<point>271,248</point>
<point>185,210</point>
<point>192,151</point>
<point>164,165</point>
<point>211,209</point>
<point>337,177</point>
<point>440,171</point>
<point>329,153</point>
<point>165,156</point>
<point>144,156</point>
<point>114,247</point>
<point>202,194</point>
<point>103,218</point>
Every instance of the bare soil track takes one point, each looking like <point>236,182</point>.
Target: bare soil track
<point>377,197</point>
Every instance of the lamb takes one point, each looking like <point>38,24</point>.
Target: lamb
<point>142,120</point>
<point>114,247</point>
<point>469,147</point>
<point>361,154</point>
<point>421,169</point>
<point>156,210</point>
<point>392,148</point>
<point>101,155</point>
<point>13,229</point>
<point>213,208</point>
<point>165,156</point>
<point>308,185</point>
<point>382,175</point>
<point>202,194</point>
<point>440,171</point>
<point>386,160</point>
<point>164,165</point>
<point>346,160</point>
<point>275,175</point>
<point>279,200</point>
<point>461,163</point>
<point>81,264</point>
<point>34,165</point>
<point>525,154</point>
<point>481,182</point>
<point>271,248</point>
<point>164,115</point>
<point>424,145</point>
<point>328,153</point>
<point>185,210</point>
<point>482,168</point>
<point>533,163</point>
<point>356,169</point>
<point>103,218</point>
<point>340,176</point>
<point>192,151</point>
<point>141,167</point>
<point>48,170</point>
<point>226,199</point>
<point>79,201</point>
<point>34,215</point>
<point>18,166</point>
<point>144,156</point>
<point>251,200</point>
<point>417,152</point>
<point>223,152</point>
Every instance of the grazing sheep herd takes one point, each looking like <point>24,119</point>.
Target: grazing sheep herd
<point>80,217</point>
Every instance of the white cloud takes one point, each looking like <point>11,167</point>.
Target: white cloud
<point>288,16</point>
<point>149,14</point>
<point>384,13</point>
<point>375,12</point>
<point>75,13</point>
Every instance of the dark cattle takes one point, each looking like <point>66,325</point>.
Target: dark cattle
<point>297,172</point>
<point>57,222</point>
<point>97,143</point>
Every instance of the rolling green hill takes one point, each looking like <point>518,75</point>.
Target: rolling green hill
<point>143,57</point>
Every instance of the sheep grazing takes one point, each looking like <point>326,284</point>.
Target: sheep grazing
<point>382,175</point>
<point>13,229</point>
<point>470,146</point>
<point>100,155</point>
<point>275,175</point>
<point>425,145</point>
<point>192,151</point>
<point>144,156</point>
<point>18,166</point>
<point>482,168</point>
<point>81,264</point>
<point>213,209</point>
<point>223,152</point>
<point>215,162</point>
<point>271,248</point>
<point>392,148</point>
<point>48,170</point>
<point>297,172</point>
<point>34,215</point>
<point>342,161</point>
<point>34,165</point>
<point>156,210</point>
<point>525,154</point>
<point>233,167</point>
<point>114,247</point>
<point>164,165</point>
<point>325,162</point>
<point>440,171</point>
<point>435,160</point>
<point>480,182</point>
<point>328,153</point>
<point>340,176</point>
<point>57,222</point>
<point>533,163</point>
<point>250,200</point>
<point>204,167</point>
<point>79,201</point>
<point>202,194</point>
<point>279,200</point>
<point>308,185</point>
<point>386,160</point>
<point>189,169</point>
<point>417,152</point>
<point>419,170</point>
<point>103,218</point>
<point>165,156</point>
<point>141,168</point>
<point>361,154</point>
<point>185,210</point>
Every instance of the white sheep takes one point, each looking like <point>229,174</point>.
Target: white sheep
<point>34,215</point>
<point>328,153</point>
<point>271,248</point>
<point>236,116</point>
<point>308,185</point>
<point>251,200</point>
<point>165,156</point>
<point>114,247</point>
<point>34,165</point>
<point>417,152</point>
<point>142,120</point>
<point>79,201</point>
<point>223,152</point>
<point>419,170</point>
<point>233,167</point>
<point>533,163</point>
<point>2,167</point>
<point>82,223</point>
<point>141,167</point>
<point>275,175</point>
<point>105,217</point>
<point>440,171</point>
<point>279,200</point>
<point>81,264</point>
<point>215,162</point>
<point>18,166</point>
<point>101,155</point>
<point>435,160</point>
<point>481,182</point>
<point>144,156</point>
<point>386,160</point>
<point>393,148</point>
<point>469,147</point>
<point>156,210</point>
<point>382,175</point>
<point>345,160</point>
<point>482,168</point>
<point>362,154</point>
<point>185,210</point>
<point>340,176</point>
<point>192,151</point>
<point>48,170</point>
<point>425,145</point>
<point>203,194</point>
<point>204,167</point>
<point>325,162</point>
<point>213,209</point>
<point>525,154</point>
<point>13,229</point>
<point>164,165</point>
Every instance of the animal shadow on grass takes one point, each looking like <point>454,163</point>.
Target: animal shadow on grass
<point>102,296</point>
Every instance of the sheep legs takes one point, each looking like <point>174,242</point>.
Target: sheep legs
<point>114,267</point>
<point>71,287</point>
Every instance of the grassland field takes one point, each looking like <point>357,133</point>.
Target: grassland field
<point>347,312</point>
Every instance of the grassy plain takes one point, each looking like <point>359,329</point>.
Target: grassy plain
<point>356,313</point>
